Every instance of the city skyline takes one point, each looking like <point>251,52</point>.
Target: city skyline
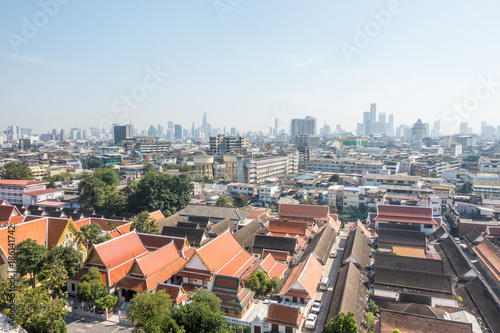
<point>174,62</point>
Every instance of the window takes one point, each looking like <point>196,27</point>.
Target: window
<point>73,287</point>
<point>274,328</point>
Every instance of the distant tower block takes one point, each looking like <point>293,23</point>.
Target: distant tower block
<point>203,166</point>
<point>230,167</point>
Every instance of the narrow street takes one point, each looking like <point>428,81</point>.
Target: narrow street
<point>331,269</point>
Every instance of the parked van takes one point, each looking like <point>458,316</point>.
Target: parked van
<point>323,284</point>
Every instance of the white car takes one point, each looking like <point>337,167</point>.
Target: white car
<point>316,307</point>
<point>311,321</point>
<point>333,254</point>
<point>457,240</point>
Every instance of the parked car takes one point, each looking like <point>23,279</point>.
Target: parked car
<point>316,307</point>
<point>333,254</point>
<point>311,321</point>
<point>457,240</point>
<point>323,284</point>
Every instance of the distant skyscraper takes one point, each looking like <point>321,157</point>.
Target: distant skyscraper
<point>373,113</point>
<point>464,128</point>
<point>418,130</point>
<point>381,117</point>
<point>123,132</point>
<point>192,130</point>
<point>275,126</point>
<point>306,126</point>
<point>437,128</point>
<point>178,131</point>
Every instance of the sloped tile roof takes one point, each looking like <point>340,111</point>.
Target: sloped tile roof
<point>284,315</point>
<point>307,274</point>
<point>225,254</point>
<point>307,211</point>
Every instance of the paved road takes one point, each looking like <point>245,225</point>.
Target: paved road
<point>331,269</point>
<point>79,325</point>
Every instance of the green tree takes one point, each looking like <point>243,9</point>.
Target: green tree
<point>333,209</point>
<point>108,176</point>
<point>144,224</point>
<point>102,239</point>
<point>433,174</point>
<point>91,286</point>
<point>258,282</point>
<point>310,201</point>
<point>117,202</point>
<point>223,202</point>
<point>55,277</point>
<point>370,320</point>
<point>276,283</point>
<point>396,331</point>
<point>343,220</point>
<point>148,167</point>
<point>335,179</point>
<point>202,314</point>
<point>373,307</point>
<point>342,323</point>
<point>93,193</point>
<point>30,258</point>
<point>163,192</point>
<point>239,202</point>
<point>151,312</point>
<point>106,302</point>
<point>275,209</point>
<point>71,258</point>
<point>89,234</point>
<point>36,312</point>
<point>16,170</point>
<point>466,188</point>
<point>460,300</point>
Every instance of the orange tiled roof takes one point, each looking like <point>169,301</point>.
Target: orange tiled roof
<point>225,253</point>
<point>307,274</point>
<point>56,228</point>
<point>406,214</point>
<point>119,250</point>
<point>7,212</point>
<point>36,230</point>
<point>308,211</point>
<point>288,227</point>
<point>157,215</point>
<point>490,256</point>
<point>284,315</point>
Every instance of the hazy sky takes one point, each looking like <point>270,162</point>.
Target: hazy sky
<point>92,63</point>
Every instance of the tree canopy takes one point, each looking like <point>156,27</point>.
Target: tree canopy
<point>89,234</point>
<point>335,179</point>
<point>16,170</point>
<point>30,258</point>
<point>258,282</point>
<point>71,258</point>
<point>151,312</point>
<point>202,314</point>
<point>160,191</point>
<point>144,224</point>
<point>342,323</point>
<point>91,286</point>
<point>466,188</point>
<point>223,202</point>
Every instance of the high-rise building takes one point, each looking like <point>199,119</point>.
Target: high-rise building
<point>436,128</point>
<point>418,130</point>
<point>152,131</point>
<point>373,112</point>
<point>305,126</point>
<point>381,117</point>
<point>122,133</point>
<point>464,128</point>
<point>221,145</point>
<point>178,131</point>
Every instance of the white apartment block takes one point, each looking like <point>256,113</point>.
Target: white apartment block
<point>341,165</point>
<point>266,192</point>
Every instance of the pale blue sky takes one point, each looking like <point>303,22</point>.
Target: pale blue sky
<point>264,58</point>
